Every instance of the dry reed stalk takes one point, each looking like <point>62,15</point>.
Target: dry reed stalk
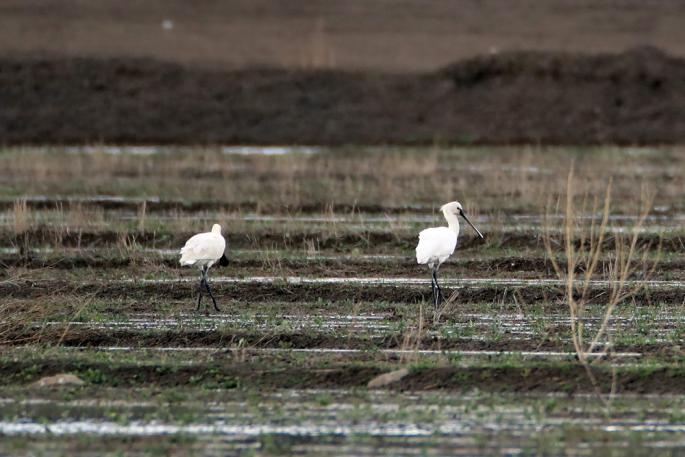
<point>60,227</point>
<point>141,216</point>
<point>331,220</point>
<point>85,304</point>
<point>78,218</point>
<point>310,248</point>
<point>450,303</point>
<point>271,260</point>
<point>356,305</point>
<point>585,252</point>
<point>128,244</point>
<point>411,342</point>
<point>239,351</point>
<point>21,216</point>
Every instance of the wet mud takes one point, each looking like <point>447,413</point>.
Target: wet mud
<point>313,292</point>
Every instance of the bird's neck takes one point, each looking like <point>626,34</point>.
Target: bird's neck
<point>452,222</point>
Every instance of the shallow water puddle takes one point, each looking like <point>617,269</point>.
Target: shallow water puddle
<point>452,282</point>
<point>150,150</point>
<point>363,323</point>
<point>472,354</point>
<point>406,430</point>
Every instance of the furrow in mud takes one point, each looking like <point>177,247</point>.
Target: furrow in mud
<point>158,293</point>
<point>347,340</point>
<point>246,340</point>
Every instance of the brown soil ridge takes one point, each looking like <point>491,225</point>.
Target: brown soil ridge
<point>538,379</point>
<point>256,339</point>
<point>629,98</point>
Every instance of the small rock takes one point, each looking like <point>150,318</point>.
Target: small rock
<point>388,378</point>
<point>58,380</point>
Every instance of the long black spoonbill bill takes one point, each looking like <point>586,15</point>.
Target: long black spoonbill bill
<point>204,250</point>
<point>436,244</point>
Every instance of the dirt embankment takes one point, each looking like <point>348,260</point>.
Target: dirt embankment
<point>635,97</point>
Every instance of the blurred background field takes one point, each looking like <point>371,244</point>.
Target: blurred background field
<point>352,72</point>
<point>397,36</point>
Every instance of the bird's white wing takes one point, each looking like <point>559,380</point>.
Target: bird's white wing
<point>435,243</point>
<point>205,246</point>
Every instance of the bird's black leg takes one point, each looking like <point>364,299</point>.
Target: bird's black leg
<point>433,287</point>
<point>199,298</point>
<point>439,297</point>
<point>204,276</point>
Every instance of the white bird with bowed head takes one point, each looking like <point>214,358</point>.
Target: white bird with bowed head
<point>438,243</point>
<point>204,250</point>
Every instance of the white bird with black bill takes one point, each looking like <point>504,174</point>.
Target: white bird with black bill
<point>438,243</point>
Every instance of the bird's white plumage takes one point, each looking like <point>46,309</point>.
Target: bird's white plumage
<point>204,249</point>
<point>438,243</point>
<point>435,245</point>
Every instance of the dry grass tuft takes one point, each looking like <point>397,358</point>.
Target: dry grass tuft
<point>629,272</point>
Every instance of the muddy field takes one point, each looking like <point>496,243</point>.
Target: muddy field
<point>323,299</point>
<point>323,295</point>
<point>636,97</point>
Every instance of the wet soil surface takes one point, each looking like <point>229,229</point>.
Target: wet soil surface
<point>634,97</point>
<point>400,266</point>
<point>289,292</point>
